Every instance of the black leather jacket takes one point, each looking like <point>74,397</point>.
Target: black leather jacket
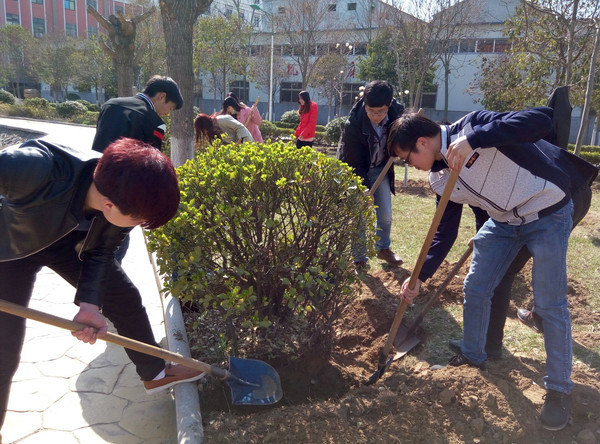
<point>357,143</point>
<point>42,194</point>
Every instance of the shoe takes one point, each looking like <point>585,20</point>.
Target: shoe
<point>492,353</point>
<point>174,374</point>
<point>361,267</point>
<point>387,255</point>
<point>531,319</point>
<point>460,359</point>
<point>556,410</point>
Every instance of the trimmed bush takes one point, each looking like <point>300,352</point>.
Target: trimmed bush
<point>89,106</point>
<point>333,130</point>
<point>73,97</point>
<point>291,117</point>
<point>6,97</point>
<point>268,130</point>
<point>261,246</point>
<point>70,109</point>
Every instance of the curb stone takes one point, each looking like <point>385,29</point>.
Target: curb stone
<point>187,400</point>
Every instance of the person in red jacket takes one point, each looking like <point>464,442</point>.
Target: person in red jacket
<point>305,133</point>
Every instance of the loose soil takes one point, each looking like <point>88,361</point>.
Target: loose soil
<point>418,400</point>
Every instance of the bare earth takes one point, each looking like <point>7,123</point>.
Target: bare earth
<point>326,399</point>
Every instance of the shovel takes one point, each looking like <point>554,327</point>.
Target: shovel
<point>384,362</point>
<point>405,338</point>
<point>251,382</point>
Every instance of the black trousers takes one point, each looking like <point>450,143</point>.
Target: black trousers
<point>122,306</point>
<point>302,143</point>
<point>582,198</point>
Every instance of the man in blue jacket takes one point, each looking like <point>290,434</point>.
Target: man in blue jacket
<point>533,191</point>
<point>69,210</point>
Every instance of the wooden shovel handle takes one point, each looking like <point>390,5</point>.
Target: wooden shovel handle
<point>381,176</point>
<point>250,115</point>
<point>132,344</point>
<point>437,217</point>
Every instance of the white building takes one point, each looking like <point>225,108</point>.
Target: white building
<point>349,21</point>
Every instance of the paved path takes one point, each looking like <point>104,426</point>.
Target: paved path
<point>70,392</point>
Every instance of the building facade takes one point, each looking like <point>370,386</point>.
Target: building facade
<point>66,16</point>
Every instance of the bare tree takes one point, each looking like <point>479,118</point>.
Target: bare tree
<point>179,17</point>
<point>260,70</point>
<point>420,42</point>
<point>121,44</point>
<point>305,24</point>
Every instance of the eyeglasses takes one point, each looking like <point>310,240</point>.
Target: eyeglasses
<point>407,160</point>
<point>381,112</point>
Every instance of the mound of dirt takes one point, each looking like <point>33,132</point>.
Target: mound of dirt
<point>326,399</point>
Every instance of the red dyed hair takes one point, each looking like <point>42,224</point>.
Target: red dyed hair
<point>206,128</point>
<point>139,180</point>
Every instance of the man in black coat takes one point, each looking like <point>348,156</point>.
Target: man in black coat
<point>363,147</point>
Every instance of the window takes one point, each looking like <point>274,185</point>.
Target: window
<point>485,45</point>
<point>241,89</point>
<point>39,2</point>
<point>12,19</point>
<point>281,10</point>
<point>256,21</point>
<point>360,49</point>
<point>92,31</point>
<point>69,4</point>
<point>467,45</point>
<point>331,7</point>
<point>71,29</point>
<point>351,90</point>
<point>289,91</point>
<point>39,27</point>
<point>228,12</point>
<point>428,100</point>
<point>119,8</point>
<point>351,6</point>
<point>257,50</point>
<point>501,45</point>
<point>92,3</point>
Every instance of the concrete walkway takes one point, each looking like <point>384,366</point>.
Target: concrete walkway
<point>70,392</point>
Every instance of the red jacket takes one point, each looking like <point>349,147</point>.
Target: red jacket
<point>308,122</point>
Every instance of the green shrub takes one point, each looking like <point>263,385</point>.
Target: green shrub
<point>287,125</point>
<point>87,118</point>
<point>291,117</point>
<point>6,97</point>
<point>37,102</point>
<point>262,243</point>
<point>269,130</point>
<point>73,97</point>
<point>333,130</point>
<point>70,109</point>
<point>89,106</point>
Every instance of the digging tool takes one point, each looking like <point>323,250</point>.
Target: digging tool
<point>384,362</point>
<point>251,382</point>
<point>405,338</point>
<point>381,176</point>
<point>385,169</point>
<point>250,115</point>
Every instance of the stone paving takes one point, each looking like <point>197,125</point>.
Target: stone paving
<point>66,391</point>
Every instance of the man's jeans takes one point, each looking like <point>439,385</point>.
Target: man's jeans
<point>382,199</point>
<point>495,246</point>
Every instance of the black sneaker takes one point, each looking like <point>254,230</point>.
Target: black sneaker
<point>531,319</point>
<point>460,359</point>
<point>361,268</point>
<point>492,353</point>
<point>556,410</point>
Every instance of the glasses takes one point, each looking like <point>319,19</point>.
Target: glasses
<point>407,160</point>
<point>371,112</point>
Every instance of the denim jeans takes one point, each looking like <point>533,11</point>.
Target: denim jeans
<point>494,248</point>
<point>122,305</point>
<point>382,199</point>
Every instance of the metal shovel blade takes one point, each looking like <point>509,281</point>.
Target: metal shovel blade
<point>405,340</point>
<point>253,382</point>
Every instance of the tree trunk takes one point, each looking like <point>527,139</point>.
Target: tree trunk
<point>588,95</point>
<point>124,68</point>
<point>179,17</point>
